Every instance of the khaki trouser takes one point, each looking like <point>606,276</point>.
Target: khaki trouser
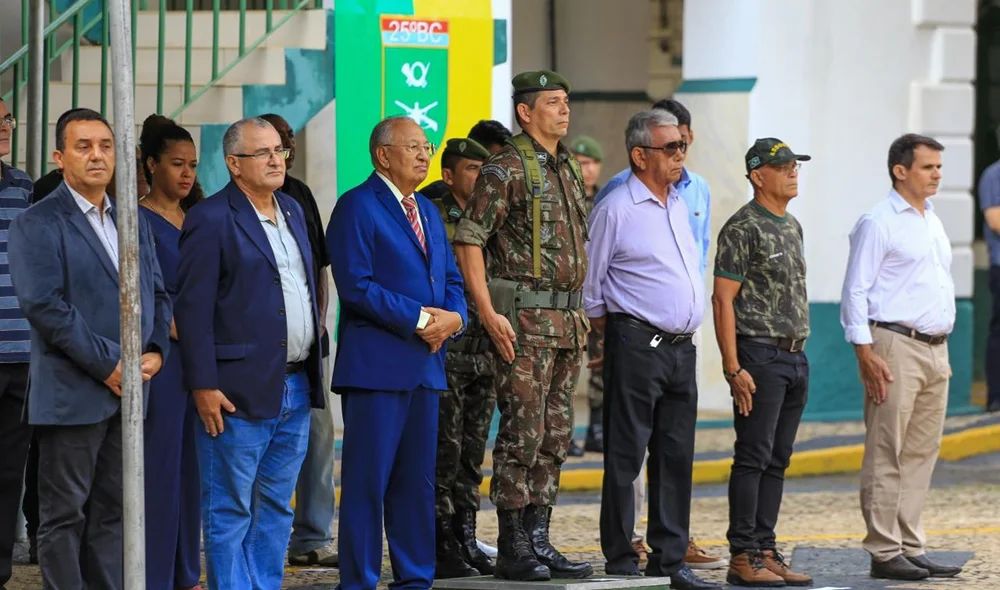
<point>902,440</point>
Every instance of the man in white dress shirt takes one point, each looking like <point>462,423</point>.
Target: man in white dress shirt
<point>898,307</point>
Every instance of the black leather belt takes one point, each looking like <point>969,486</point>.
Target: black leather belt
<point>647,327</point>
<point>918,336</point>
<point>292,368</point>
<point>568,300</point>
<point>789,344</point>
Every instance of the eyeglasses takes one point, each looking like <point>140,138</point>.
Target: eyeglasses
<point>669,149</point>
<point>9,121</point>
<point>412,148</point>
<point>266,154</point>
<point>787,168</point>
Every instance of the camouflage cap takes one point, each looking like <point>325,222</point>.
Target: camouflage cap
<point>466,148</point>
<point>769,150</point>
<point>585,145</point>
<point>537,81</point>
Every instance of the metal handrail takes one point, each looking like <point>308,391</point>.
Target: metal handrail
<point>18,63</point>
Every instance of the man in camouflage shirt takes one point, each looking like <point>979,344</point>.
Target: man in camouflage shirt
<point>761,324</point>
<point>465,410</point>
<point>541,353</point>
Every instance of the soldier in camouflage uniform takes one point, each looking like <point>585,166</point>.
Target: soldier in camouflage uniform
<point>528,209</point>
<point>590,155</point>
<point>465,410</point>
<point>762,322</point>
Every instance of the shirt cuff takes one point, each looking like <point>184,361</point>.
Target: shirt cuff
<point>858,335</point>
<point>424,318</point>
<point>596,310</point>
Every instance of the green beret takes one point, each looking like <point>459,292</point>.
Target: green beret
<point>466,148</point>
<point>585,145</point>
<point>537,81</point>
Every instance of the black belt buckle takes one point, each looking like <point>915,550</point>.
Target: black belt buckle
<point>680,338</point>
<point>797,345</point>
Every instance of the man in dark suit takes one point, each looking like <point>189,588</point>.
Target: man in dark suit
<point>246,311</point>
<point>401,299</point>
<point>63,256</point>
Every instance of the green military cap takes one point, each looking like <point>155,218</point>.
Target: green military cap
<point>769,151</point>
<point>466,148</point>
<point>585,145</point>
<point>537,81</point>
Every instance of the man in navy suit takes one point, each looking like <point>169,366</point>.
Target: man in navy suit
<point>246,311</point>
<point>401,299</point>
<point>63,255</point>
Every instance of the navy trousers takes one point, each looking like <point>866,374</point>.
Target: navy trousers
<point>387,468</point>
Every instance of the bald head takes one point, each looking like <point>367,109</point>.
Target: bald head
<point>400,151</point>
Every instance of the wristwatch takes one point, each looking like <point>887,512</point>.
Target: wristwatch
<point>730,376</point>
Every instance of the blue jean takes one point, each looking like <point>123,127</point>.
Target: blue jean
<point>247,478</point>
<point>387,468</point>
<point>315,492</point>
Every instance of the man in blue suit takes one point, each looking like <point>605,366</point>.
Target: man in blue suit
<point>246,312</point>
<point>401,299</point>
<point>63,255</point>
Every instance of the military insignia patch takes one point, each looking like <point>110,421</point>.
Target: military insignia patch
<point>754,161</point>
<point>455,212</point>
<point>495,170</point>
<point>542,80</point>
<point>543,157</point>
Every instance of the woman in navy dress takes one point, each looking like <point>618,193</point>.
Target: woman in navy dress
<point>173,522</point>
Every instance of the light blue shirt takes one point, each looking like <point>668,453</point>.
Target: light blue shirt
<point>101,222</point>
<point>694,190</point>
<point>643,260</point>
<point>294,284</point>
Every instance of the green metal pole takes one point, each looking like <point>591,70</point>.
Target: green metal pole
<point>25,9</point>
<point>187,49</point>
<point>215,39</point>
<point>44,162</point>
<point>161,45</point>
<point>77,33</point>
<point>16,106</point>
<point>243,26</point>
<point>105,42</point>
<point>270,9</point>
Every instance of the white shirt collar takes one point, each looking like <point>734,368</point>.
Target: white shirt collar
<point>899,204</point>
<point>86,205</point>
<point>392,187</point>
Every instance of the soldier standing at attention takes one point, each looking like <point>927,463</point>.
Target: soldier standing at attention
<point>761,324</point>
<point>528,210</point>
<point>465,409</point>
<point>590,155</point>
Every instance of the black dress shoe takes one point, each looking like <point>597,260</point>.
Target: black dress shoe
<point>936,570</point>
<point>898,568</point>
<point>684,579</point>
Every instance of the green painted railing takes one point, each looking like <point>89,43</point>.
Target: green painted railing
<point>83,30</point>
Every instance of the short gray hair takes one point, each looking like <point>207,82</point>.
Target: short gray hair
<point>639,131</point>
<point>231,140</point>
<point>382,135</point>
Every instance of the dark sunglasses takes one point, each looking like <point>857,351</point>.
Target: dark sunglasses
<point>669,149</point>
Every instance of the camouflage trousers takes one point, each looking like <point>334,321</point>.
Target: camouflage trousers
<point>595,387</point>
<point>465,411</point>
<point>535,397</point>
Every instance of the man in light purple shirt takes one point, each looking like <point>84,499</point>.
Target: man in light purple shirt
<point>644,286</point>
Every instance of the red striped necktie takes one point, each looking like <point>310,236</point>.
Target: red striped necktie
<point>410,204</point>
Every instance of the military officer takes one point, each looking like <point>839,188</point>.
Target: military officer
<point>589,154</point>
<point>528,210</point>
<point>761,325</point>
<point>466,408</point>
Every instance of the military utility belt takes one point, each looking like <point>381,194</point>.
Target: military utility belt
<point>470,345</point>
<point>933,340</point>
<point>658,334</point>
<point>567,300</point>
<point>789,344</point>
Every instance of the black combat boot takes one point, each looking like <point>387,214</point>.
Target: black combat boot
<point>465,530</point>
<point>595,432</point>
<point>536,521</point>
<point>515,561</point>
<point>449,555</point>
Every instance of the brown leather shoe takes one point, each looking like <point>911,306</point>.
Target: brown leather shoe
<point>775,562</point>
<point>697,559</point>
<point>747,569</point>
<point>640,549</point>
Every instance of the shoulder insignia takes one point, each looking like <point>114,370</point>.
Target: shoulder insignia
<point>543,157</point>
<point>455,213</point>
<point>495,170</point>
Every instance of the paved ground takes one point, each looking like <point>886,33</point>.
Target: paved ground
<point>820,528</point>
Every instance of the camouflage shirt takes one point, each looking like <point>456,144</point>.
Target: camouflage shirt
<point>765,253</point>
<point>499,218</point>
<point>462,362</point>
